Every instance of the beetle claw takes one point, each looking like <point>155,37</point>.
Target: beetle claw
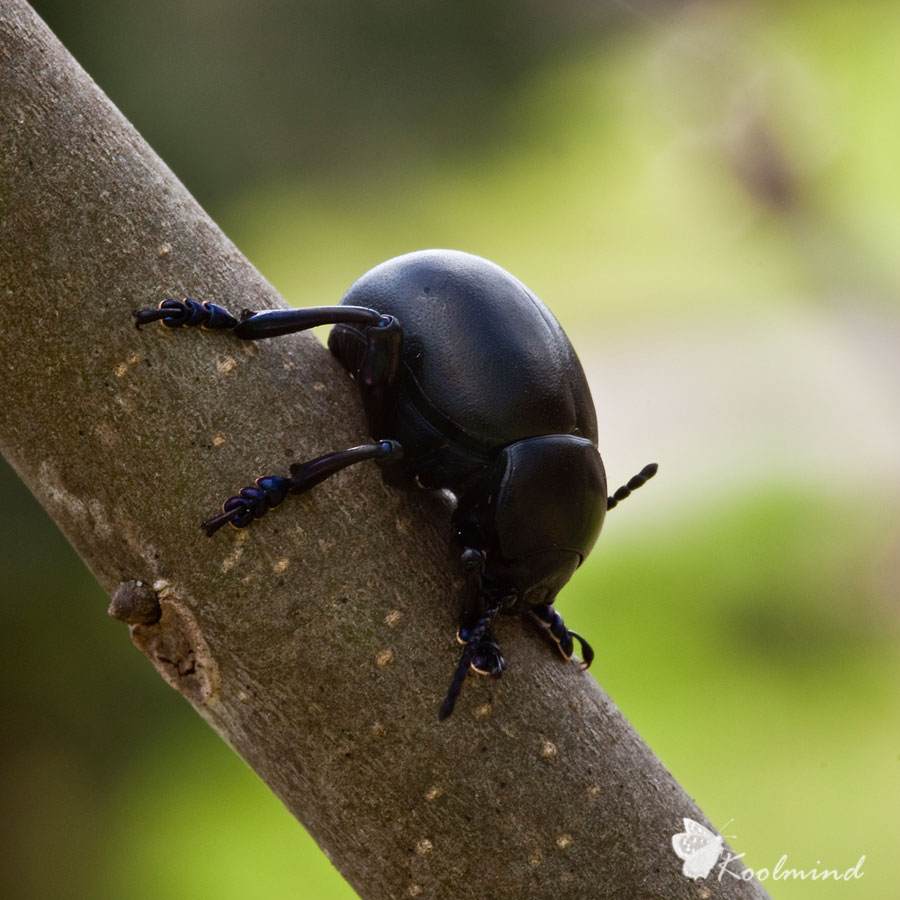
<point>550,619</point>
<point>587,651</point>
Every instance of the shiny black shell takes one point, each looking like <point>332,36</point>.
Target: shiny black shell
<point>483,366</point>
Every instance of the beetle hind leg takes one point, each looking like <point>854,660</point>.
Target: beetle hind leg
<point>255,326</point>
<point>549,618</point>
<point>255,500</point>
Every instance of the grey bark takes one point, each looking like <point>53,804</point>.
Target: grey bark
<point>319,643</point>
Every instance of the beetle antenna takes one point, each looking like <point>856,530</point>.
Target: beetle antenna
<point>476,635</point>
<point>633,484</point>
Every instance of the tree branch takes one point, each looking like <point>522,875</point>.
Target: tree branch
<point>319,643</point>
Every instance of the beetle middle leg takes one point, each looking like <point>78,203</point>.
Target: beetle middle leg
<point>267,492</point>
<point>546,615</point>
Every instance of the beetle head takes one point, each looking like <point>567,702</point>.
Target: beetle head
<point>536,514</point>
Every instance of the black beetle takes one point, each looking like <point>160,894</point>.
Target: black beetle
<point>469,385</point>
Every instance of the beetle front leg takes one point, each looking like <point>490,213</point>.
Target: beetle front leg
<point>481,652</point>
<point>549,618</point>
<point>480,646</point>
<point>255,500</point>
<point>486,658</point>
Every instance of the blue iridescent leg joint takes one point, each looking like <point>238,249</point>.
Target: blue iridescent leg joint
<point>186,313</point>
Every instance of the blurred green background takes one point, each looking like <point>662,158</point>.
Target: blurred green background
<point>707,197</point>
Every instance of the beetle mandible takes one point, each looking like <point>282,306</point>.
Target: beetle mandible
<point>469,385</point>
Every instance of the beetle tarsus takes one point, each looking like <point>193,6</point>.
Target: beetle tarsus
<point>633,484</point>
<point>252,502</point>
<point>186,313</point>
<point>487,659</point>
<point>481,647</point>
